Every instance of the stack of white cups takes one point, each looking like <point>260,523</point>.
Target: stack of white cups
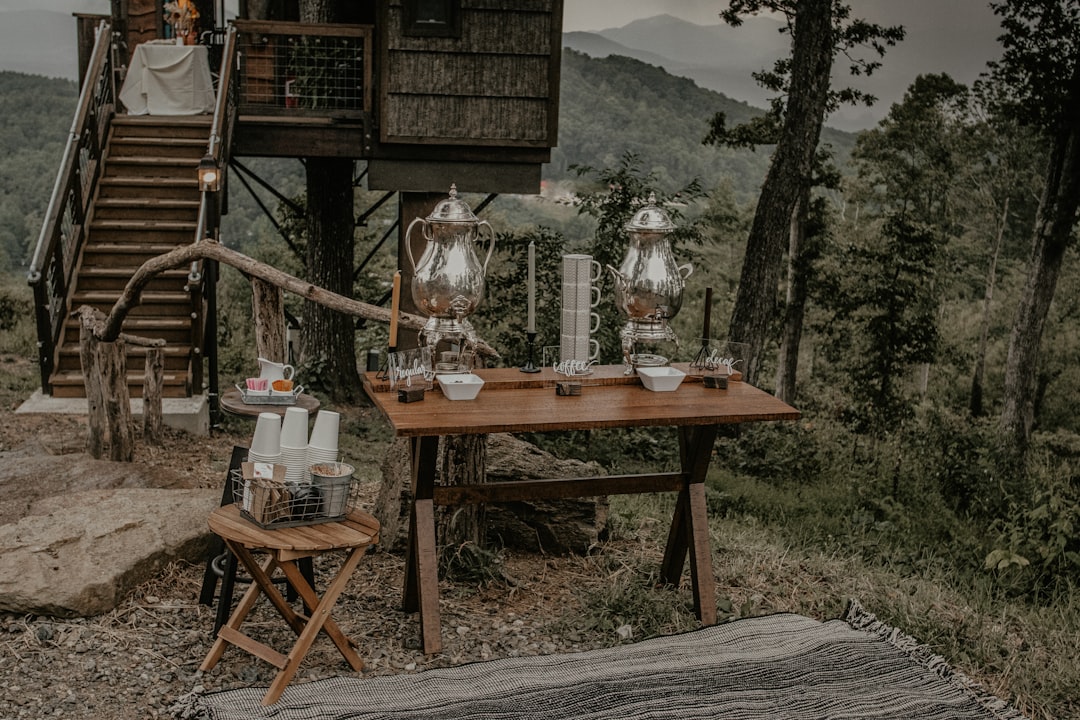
<point>580,295</point>
<point>294,445</point>
<point>323,444</point>
<point>266,442</point>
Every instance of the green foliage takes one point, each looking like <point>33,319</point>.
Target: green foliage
<point>35,115</point>
<point>880,317</point>
<point>1038,92</point>
<point>1035,542</point>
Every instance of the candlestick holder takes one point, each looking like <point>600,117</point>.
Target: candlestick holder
<point>384,366</point>
<point>530,364</point>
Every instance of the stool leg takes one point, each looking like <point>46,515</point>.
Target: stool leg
<point>315,606</point>
<point>247,602</point>
<point>320,615</point>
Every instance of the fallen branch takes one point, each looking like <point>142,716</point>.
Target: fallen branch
<point>208,249</point>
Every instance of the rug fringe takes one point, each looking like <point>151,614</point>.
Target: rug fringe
<point>189,707</point>
<point>857,617</point>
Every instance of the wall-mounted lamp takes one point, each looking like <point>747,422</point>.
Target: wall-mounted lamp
<point>209,175</point>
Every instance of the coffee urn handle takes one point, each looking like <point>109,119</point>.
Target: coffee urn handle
<point>408,242</point>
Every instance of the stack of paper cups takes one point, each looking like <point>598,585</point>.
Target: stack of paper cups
<point>294,444</point>
<point>579,296</point>
<point>266,442</point>
<point>323,444</point>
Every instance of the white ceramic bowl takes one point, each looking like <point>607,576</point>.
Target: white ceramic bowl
<point>660,379</point>
<point>463,386</point>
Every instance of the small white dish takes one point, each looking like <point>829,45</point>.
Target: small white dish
<point>661,379</point>
<point>463,386</point>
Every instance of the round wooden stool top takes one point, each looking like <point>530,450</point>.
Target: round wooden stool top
<point>359,529</point>
<point>233,402</point>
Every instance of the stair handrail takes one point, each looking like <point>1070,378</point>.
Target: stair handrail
<point>63,230</point>
<point>219,152</point>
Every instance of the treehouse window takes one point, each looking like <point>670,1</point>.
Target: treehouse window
<point>432,18</point>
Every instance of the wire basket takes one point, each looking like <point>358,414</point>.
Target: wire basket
<point>270,503</point>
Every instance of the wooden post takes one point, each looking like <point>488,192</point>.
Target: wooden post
<point>152,385</point>
<point>95,437</point>
<point>268,308</point>
<point>117,400</point>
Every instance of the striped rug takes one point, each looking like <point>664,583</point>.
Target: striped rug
<point>775,667</point>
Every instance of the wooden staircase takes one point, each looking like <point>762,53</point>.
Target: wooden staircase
<point>146,204</point>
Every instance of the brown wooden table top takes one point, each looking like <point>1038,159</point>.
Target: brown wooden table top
<point>512,401</point>
<point>356,530</point>
<point>232,401</point>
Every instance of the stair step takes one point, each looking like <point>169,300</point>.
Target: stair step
<point>108,228</point>
<point>71,385</point>
<point>146,209</point>
<point>176,358</point>
<point>115,279</point>
<point>147,297</point>
<point>173,126</point>
<point>172,330</point>
<point>151,167</point>
<point>193,147</point>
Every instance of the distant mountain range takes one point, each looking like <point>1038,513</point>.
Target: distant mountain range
<point>953,36</point>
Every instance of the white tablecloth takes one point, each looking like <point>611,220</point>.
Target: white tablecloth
<point>168,79</point>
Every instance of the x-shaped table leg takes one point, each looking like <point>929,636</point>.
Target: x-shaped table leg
<point>307,628</point>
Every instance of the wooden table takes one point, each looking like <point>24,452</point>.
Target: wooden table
<point>283,548</point>
<point>512,401</point>
<point>232,401</point>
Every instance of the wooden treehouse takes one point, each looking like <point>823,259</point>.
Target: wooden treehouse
<point>424,93</point>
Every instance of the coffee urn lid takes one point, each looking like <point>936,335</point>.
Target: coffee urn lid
<point>650,218</point>
<point>452,210</point>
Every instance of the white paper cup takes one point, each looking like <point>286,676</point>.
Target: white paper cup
<point>267,438</point>
<point>294,428</point>
<point>325,432</point>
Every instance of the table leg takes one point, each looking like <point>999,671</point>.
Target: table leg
<point>689,530</point>
<point>422,567</point>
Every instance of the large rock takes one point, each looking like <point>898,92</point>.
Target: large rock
<point>95,546</point>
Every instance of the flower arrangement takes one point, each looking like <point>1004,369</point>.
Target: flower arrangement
<point>181,15</point>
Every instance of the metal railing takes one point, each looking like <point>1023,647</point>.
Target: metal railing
<point>299,69</point>
<point>64,228</point>
<point>202,281</point>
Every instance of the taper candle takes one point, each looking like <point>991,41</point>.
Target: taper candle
<point>532,288</point>
<point>395,306</point>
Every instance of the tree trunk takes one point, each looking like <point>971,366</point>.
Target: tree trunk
<point>462,461</point>
<point>787,365</point>
<point>328,338</point>
<point>1053,229</point>
<point>790,171</point>
<point>268,308</point>
<point>976,404</point>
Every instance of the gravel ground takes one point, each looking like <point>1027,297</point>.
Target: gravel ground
<point>136,661</point>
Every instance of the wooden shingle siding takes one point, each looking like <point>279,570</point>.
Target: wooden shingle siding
<point>495,86</point>
<point>514,76</point>
<point>513,120</point>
